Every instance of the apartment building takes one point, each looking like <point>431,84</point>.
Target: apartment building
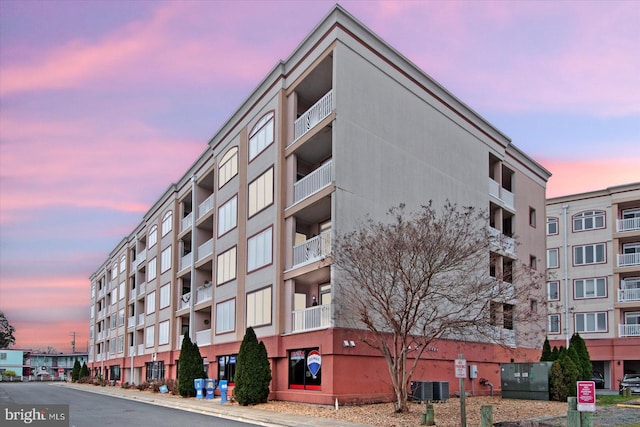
<point>344,127</point>
<point>593,260</point>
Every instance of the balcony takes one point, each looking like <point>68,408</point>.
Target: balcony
<point>506,337</point>
<point>313,249</point>
<point>185,261</point>
<point>503,243</point>
<point>502,194</point>
<point>140,258</point>
<point>626,260</point>
<point>629,330</point>
<point>312,183</point>
<point>628,224</point>
<point>140,319</point>
<point>205,249</point>
<point>629,290</point>
<point>184,300</point>
<point>186,222</point>
<point>203,337</point>
<point>140,350</point>
<point>132,351</point>
<point>131,322</point>
<point>141,288</point>
<point>314,115</point>
<point>205,206</point>
<point>312,318</point>
<point>203,294</point>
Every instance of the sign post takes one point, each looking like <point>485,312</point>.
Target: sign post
<point>461,373</point>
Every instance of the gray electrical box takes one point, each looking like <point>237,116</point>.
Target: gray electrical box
<point>473,371</point>
<point>525,380</point>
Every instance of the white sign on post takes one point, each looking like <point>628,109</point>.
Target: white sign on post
<point>461,368</point>
<point>586,396</point>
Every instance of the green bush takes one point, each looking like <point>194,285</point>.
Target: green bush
<point>190,367</point>
<point>84,371</point>
<point>546,356</point>
<point>75,372</point>
<point>583,358</point>
<point>253,372</point>
<point>562,377</point>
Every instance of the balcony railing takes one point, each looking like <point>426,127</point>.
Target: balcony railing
<point>184,300</point>
<point>140,350</point>
<point>312,318</point>
<point>185,261</point>
<point>205,249</point>
<point>141,288</point>
<point>628,224</point>
<point>205,206</point>
<point>625,260</point>
<point>140,258</point>
<point>310,184</point>
<point>140,320</point>
<point>131,322</point>
<point>314,115</point>
<point>629,330</point>
<point>313,249</point>
<point>203,294</point>
<point>628,295</point>
<point>502,194</point>
<point>505,243</point>
<point>186,222</point>
<point>203,337</point>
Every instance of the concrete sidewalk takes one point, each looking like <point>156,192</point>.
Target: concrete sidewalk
<point>214,407</point>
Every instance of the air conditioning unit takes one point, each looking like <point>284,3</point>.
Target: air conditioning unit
<point>422,391</point>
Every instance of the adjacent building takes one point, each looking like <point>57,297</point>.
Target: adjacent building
<point>33,365</point>
<point>344,127</point>
<point>593,260</point>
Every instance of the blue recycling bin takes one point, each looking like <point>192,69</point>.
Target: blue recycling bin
<point>223,391</point>
<point>210,386</point>
<point>198,383</point>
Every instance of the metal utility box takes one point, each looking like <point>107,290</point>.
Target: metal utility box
<point>441,390</point>
<point>422,391</point>
<point>525,380</point>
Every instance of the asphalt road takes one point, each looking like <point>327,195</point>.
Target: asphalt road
<point>91,410</point>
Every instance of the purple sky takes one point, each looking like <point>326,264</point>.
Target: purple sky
<point>103,104</point>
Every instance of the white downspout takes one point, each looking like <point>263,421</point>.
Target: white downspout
<point>565,209</point>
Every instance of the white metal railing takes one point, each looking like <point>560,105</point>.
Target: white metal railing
<point>98,358</point>
<point>203,337</point>
<point>494,188</point>
<point>185,261</point>
<point>131,322</point>
<point>184,300</point>
<point>628,224</point>
<point>141,288</point>
<point>501,193</point>
<point>140,258</point>
<point>312,249</point>
<point>205,206</point>
<point>140,351</point>
<point>313,182</point>
<point>505,243</point>
<point>204,294</point>
<point>100,335</point>
<point>313,115</point>
<point>186,222</point>
<point>627,295</point>
<point>629,330</point>
<point>311,318</point>
<point>179,345</point>
<point>625,260</point>
<point>205,249</point>
<point>140,319</point>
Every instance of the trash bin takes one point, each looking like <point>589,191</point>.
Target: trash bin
<point>223,391</point>
<point>210,386</point>
<point>198,383</point>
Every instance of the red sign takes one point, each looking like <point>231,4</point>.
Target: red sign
<point>586,396</point>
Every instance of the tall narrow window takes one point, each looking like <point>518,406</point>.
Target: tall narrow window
<point>261,136</point>
<point>259,250</point>
<point>259,307</point>
<point>165,260</point>
<point>165,295</point>
<point>163,333</point>
<point>228,167</point>
<point>552,226</point>
<point>226,268</point>
<point>261,192</point>
<point>553,291</point>
<point>554,324</point>
<point>225,316</point>
<point>151,302</point>
<point>228,215</point>
<point>153,236</point>
<point>532,217</point>
<point>151,269</point>
<point>167,223</point>
<point>552,258</point>
<point>149,336</point>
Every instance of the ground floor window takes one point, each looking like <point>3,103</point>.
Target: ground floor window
<point>227,368</point>
<point>155,371</point>
<point>114,373</point>
<point>305,369</point>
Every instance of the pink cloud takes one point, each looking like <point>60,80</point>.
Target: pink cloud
<point>577,176</point>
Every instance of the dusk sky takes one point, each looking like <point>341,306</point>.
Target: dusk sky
<point>104,104</point>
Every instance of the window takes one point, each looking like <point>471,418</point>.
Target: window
<point>632,318</point>
<point>153,236</point>
<point>591,322</point>
<point>167,223</point>
<point>3,356</point>
<point>589,254</point>
<point>227,368</point>
<point>151,302</point>
<point>552,258</point>
<point>553,291</point>
<point>163,333</point>
<point>261,136</point>
<point>507,316</point>
<point>228,167</point>
<point>112,321</point>
<point>588,220</point>
<point>114,372</point>
<point>305,369</point>
<point>552,226</point>
<point>151,269</point>
<point>532,217</point>
<point>112,346</point>
<point>165,295</point>
<point>259,250</point>
<point>259,307</point>
<point>149,335</point>
<point>165,260</point>
<point>114,271</point>
<point>226,266</point>
<point>123,263</point>
<point>590,288</point>
<point>225,316</point>
<point>121,290</point>
<point>494,308</point>
<point>120,344</point>
<point>121,317</point>
<point>261,192</point>
<point>533,262</point>
<point>155,370</point>
<point>227,215</point>
<point>553,324</point>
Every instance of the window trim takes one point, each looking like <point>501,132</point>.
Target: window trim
<point>167,220</point>
<point>595,213</point>
<point>255,130</point>
<point>218,304</point>
<point>235,274</point>
<point>557,251</point>
<point>573,254</point>
<point>270,262</point>
<point>160,324</point>
<point>235,225</point>
<point>153,231</point>
<point>553,220</point>
<point>533,218</point>
<point>557,282</point>
<point>226,158</point>
<point>253,292</point>
<point>595,287</point>
<point>595,313</point>
<point>267,205</point>
<point>166,256</point>
<point>549,331</point>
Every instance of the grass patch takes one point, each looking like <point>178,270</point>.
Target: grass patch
<point>612,399</point>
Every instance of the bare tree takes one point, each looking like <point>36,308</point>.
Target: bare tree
<point>428,276</point>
